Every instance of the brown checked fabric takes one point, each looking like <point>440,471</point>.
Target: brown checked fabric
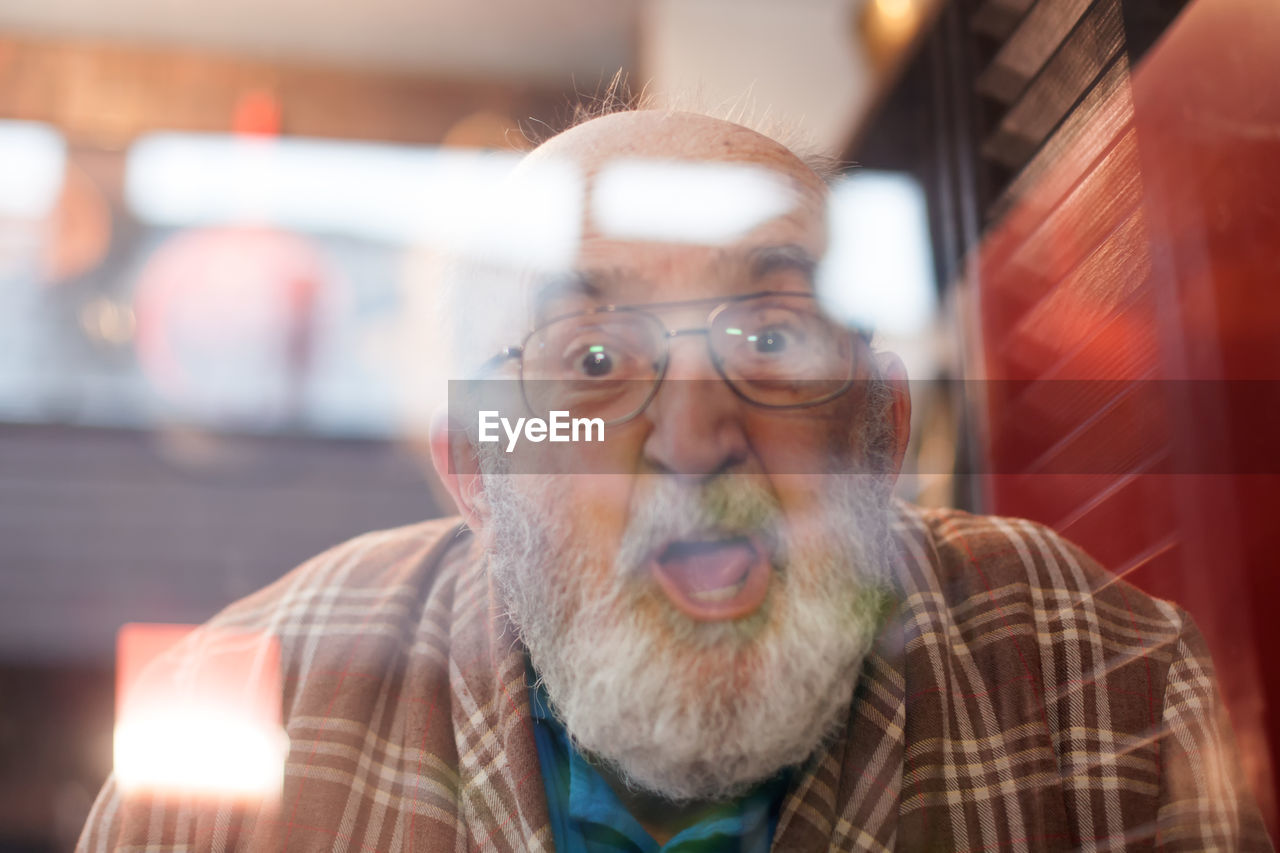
<point>1019,698</point>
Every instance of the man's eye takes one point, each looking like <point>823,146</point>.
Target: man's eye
<point>771,340</point>
<point>596,362</point>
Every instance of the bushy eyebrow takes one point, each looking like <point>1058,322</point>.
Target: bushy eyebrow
<point>789,257</point>
<point>567,284</point>
<point>594,285</point>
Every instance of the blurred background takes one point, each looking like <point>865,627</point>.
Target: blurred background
<point>212,317</point>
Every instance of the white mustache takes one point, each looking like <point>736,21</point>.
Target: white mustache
<point>674,511</point>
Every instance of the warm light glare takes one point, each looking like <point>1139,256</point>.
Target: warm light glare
<point>889,26</point>
<point>198,713</point>
<point>895,9</point>
<point>107,321</point>
<point>199,751</point>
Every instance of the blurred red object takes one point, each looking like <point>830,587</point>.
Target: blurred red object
<point>257,113</point>
<point>224,322</point>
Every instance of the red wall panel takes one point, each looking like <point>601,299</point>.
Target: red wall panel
<point>1150,250</point>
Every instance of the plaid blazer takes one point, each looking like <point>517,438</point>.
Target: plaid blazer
<point>1018,698</point>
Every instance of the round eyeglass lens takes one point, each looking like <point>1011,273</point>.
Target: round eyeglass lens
<point>599,365</point>
<point>779,350</point>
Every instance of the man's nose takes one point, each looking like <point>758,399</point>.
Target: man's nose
<point>697,419</point>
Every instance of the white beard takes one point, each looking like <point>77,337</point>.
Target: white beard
<point>683,709</point>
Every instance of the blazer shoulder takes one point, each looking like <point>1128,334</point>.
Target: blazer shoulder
<point>976,558</point>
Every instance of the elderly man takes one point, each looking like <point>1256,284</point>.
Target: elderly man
<point>714,629</point>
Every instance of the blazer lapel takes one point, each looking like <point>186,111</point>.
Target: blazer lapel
<point>846,796</point>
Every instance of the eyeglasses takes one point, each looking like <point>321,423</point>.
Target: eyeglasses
<point>773,349</point>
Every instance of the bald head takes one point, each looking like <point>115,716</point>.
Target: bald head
<point>695,178</point>
<point>660,134</point>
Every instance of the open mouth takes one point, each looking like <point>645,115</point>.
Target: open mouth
<point>715,577</point>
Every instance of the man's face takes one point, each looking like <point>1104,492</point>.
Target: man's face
<point>699,604</point>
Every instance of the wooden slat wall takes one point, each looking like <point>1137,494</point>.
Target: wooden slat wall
<point>1065,78</point>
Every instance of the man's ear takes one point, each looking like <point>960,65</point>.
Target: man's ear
<point>894,372</point>
<point>458,467</point>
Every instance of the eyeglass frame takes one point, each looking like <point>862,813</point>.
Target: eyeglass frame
<point>518,352</point>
